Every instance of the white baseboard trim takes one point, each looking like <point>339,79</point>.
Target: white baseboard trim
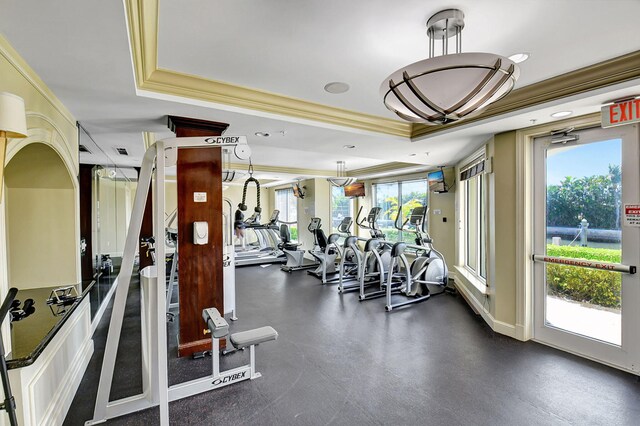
<point>521,332</point>
<point>504,328</point>
<point>103,307</point>
<point>497,326</point>
<point>69,386</point>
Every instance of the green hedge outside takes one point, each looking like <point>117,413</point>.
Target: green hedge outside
<point>582,284</point>
<point>590,253</point>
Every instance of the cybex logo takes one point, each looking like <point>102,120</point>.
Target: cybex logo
<point>223,140</point>
<point>230,378</point>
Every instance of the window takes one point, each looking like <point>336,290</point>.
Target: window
<point>287,203</point>
<point>474,218</point>
<point>411,194</point>
<point>341,207</point>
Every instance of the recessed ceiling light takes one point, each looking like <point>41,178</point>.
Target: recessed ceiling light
<point>262,134</point>
<point>348,146</point>
<point>412,155</point>
<point>519,57</point>
<point>561,114</point>
<point>336,87</point>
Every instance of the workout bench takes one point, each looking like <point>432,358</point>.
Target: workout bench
<point>219,328</point>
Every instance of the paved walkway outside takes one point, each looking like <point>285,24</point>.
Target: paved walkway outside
<point>588,321</point>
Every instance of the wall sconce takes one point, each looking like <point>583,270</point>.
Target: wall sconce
<point>13,124</point>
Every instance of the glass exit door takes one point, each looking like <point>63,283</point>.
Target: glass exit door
<point>586,299</point>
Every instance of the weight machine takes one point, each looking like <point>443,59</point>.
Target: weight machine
<point>156,389</point>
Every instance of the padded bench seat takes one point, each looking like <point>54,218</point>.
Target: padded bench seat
<point>253,337</point>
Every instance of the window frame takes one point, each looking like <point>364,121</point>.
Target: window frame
<point>480,272</point>
<point>289,193</point>
<point>399,183</point>
<point>351,206</point>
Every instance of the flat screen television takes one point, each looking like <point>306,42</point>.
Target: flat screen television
<point>354,190</point>
<point>436,181</point>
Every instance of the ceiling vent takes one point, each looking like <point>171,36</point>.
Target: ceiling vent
<point>122,151</point>
<point>83,148</point>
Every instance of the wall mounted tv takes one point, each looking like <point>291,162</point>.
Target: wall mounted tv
<point>436,181</point>
<point>354,190</point>
<point>297,191</point>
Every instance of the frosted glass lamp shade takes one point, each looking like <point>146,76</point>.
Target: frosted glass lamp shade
<point>13,120</point>
<point>448,88</point>
<point>341,182</point>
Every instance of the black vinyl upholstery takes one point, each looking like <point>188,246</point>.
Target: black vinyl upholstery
<point>285,236</point>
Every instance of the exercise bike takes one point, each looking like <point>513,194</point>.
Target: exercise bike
<point>330,249</point>
<point>295,257</point>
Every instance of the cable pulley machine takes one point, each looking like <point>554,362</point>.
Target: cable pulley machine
<point>156,389</point>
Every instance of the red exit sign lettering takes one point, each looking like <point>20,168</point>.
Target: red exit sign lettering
<point>621,113</point>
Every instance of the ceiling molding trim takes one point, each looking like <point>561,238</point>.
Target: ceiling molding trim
<point>382,168</point>
<point>142,24</point>
<point>277,169</point>
<point>189,86</point>
<point>601,75</point>
<point>14,58</point>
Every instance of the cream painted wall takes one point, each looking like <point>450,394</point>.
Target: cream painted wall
<point>504,171</point>
<point>48,122</point>
<point>323,203</point>
<point>171,198</point>
<point>40,237</point>
<point>234,194</point>
<point>306,210</point>
<point>116,201</point>
<point>498,305</point>
<point>443,233</point>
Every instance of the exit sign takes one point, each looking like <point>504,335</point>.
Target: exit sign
<point>621,113</point>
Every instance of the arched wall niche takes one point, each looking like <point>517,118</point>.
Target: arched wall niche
<point>40,207</point>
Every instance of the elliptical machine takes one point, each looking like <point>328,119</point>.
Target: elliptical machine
<point>352,264</point>
<point>331,249</point>
<point>428,269</point>
<point>372,263</point>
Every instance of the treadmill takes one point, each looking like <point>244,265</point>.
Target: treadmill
<point>268,251</point>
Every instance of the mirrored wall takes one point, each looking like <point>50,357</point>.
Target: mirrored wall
<point>106,199</point>
<point>113,190</point>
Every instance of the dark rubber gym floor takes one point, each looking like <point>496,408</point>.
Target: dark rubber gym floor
<point>341,362</point>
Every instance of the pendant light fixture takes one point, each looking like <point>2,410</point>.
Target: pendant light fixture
<point>450,87</point>
<point>341,179</point>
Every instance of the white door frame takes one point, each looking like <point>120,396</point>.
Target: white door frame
<point>626,357</point>
<point>524,216</point>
